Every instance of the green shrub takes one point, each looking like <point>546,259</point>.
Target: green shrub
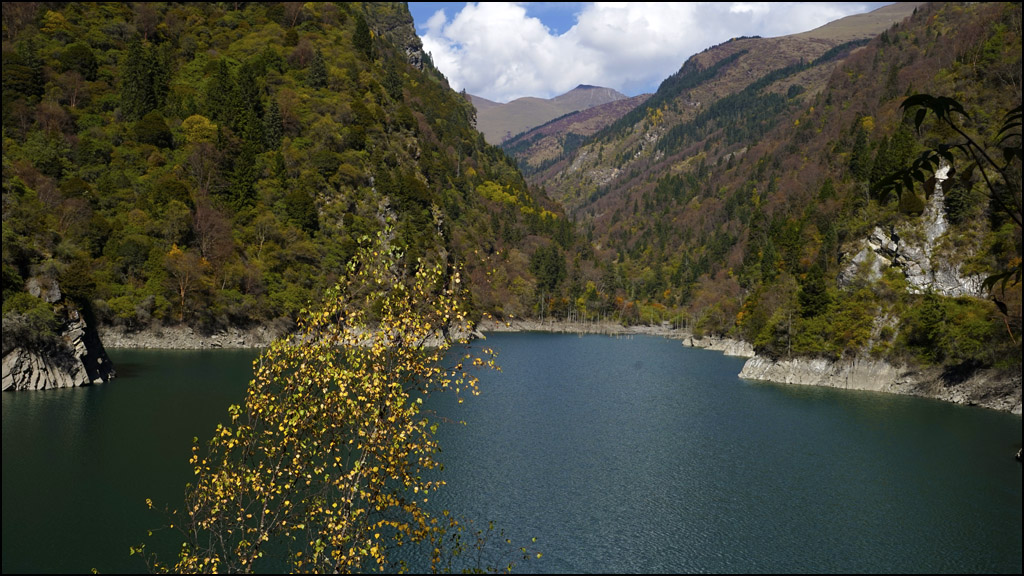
<point>28,320</point>
<point>153,130</point>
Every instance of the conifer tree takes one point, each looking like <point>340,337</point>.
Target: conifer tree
<point>273,128</point>
<point>159,64</point>
<point>247,94</point>
<point>318,71</point>
<point>137,96</point>
<point>219,91</point>
<point>814,297</point>
<point>363,39</point>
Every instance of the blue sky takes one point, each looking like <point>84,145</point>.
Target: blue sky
<point>506,50</point>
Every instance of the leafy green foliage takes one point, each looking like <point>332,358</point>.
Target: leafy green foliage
<point>548,265</point>
<point>153,130</point>
<point>739,202</point>
<point>28,320</point>
<point>80,58</point>
<point>952,331</point>
<point>215,140</point>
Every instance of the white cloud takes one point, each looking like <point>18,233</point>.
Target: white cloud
<point>498,51</point>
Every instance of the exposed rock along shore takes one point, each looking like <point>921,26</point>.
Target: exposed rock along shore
<point>186,338</point>
<point>987,388</point>
<point>727,346</point>
<point>79,361</point>
<point>76,356</point>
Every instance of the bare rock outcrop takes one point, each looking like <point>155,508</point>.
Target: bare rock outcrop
<point>915,249</point>
<point>726,346</point>
<point>854,374</point>
<point>988,388</point>
<point>77,358</point>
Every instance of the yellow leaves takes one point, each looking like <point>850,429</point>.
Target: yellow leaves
<point>331,424</point>
<point>198,128</point>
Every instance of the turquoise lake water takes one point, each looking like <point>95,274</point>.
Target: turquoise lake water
<point>617,454</point>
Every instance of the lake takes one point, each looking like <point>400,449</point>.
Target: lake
<point>618,454</point>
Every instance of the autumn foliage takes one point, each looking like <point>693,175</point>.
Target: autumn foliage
<point>326,466</point>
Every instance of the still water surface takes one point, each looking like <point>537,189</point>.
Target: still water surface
<point>618,455</point>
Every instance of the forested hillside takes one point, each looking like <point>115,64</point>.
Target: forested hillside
<point>543,148</point>
<point>216,164</point>
<point>743,197</point>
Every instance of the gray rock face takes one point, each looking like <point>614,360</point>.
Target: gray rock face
<point>46,289</point>
<point>855,374</point>
<point>914,250</point>
<point>77,360</point>
<point>988,388</point>
<point>726,346</point>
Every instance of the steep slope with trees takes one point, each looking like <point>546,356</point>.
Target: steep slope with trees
<point>215,165</point>
<point>546,147</point>
<point>744,197</point>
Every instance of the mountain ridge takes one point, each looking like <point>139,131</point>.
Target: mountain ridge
<point>499,122</point>
<point>741,199</point>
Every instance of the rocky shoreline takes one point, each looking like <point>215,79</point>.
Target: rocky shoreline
<point>73,357</point>
<point>186,338</point>
<point>727,346</point>
<point>78,359</point>
<point>986,388</point>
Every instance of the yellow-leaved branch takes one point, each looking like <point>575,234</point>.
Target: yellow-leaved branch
<point>325,468</point>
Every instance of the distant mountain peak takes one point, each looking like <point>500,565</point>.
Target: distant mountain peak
<point>499,122</point>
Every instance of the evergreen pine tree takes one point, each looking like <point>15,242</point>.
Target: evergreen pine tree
<point>393,81</point>
<point>35,65</point>
<point>243,178</point>
<point>318,71</point>
<point>251,129</point>
<point>860,156</point>
<point>219,93</point>
<point>813,296</point>
<point>159,65</point>
<point>363,39</point>
<point>247,94</point>
<point>273,127</point>
<point>137,96</point>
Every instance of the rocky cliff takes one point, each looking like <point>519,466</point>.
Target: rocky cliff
<point>76,356</point>
<point>915,248</point>
<point>987,388</point>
